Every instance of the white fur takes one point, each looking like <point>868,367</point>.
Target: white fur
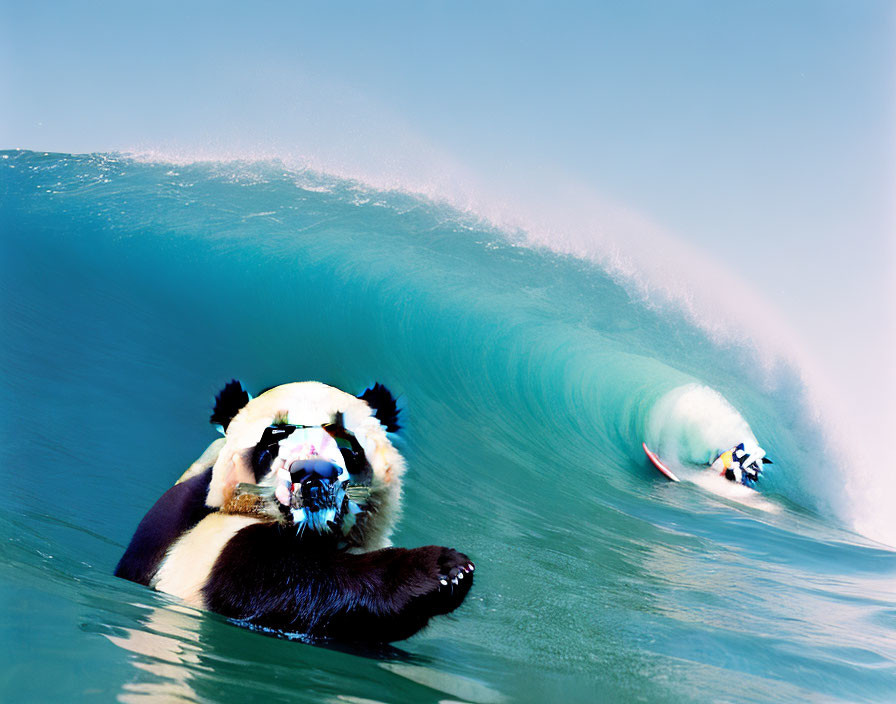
<point>313,403</point>
<point>189,561</point>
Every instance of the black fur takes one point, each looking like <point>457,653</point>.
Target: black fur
<point>261,454</point>
<point>268,577</point>
<point>179,509</point>
<point>352,452</point>
<point>384,406</point>
<point>228,402</point>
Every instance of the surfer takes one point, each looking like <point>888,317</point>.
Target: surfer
<point>740,464</point>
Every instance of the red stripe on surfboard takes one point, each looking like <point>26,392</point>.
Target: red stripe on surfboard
<point>658,463</point>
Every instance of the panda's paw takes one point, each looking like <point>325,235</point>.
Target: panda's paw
<point>453,568</point>
<point>451,578</point>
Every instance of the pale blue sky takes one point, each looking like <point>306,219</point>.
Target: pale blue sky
<point>761,132</point>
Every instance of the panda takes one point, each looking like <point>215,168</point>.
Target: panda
<point>283,524</point>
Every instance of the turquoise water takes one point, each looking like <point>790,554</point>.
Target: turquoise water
<point>132,291</point>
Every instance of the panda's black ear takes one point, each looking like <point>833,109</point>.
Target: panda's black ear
<point>228,402</point>
<point>384,406</point>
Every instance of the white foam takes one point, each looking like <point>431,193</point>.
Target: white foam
<point>730,491</point>
<point>662,270</point>
<point>694,424</point>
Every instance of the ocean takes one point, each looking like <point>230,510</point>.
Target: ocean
<point>134,289</point>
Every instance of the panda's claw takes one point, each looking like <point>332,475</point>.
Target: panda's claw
<point>451,578</point>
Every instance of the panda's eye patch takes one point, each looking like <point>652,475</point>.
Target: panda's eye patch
<point>348,449</point>
<point>355,459</point>
<point>273,434</point>
<point>265,450</point>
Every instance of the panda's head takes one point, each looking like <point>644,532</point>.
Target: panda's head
<point>311,456</point>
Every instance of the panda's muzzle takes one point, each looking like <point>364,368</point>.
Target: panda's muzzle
<point>318,475</point>
<point>315,484</point>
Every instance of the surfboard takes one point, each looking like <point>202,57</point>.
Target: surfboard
<point>658,463</point>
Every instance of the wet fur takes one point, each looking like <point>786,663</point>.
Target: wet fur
<point>254,568</point>
<point>385,595</point>
<point>179,510</point>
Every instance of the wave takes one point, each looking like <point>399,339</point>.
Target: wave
<point>563,346</point>
<point>694,424</point>
<point>528,379</point>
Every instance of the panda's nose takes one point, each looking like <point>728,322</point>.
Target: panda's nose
<point>303,471</point>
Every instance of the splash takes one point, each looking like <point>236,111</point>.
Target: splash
<point>694,424</point>
<point>700,422</point>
